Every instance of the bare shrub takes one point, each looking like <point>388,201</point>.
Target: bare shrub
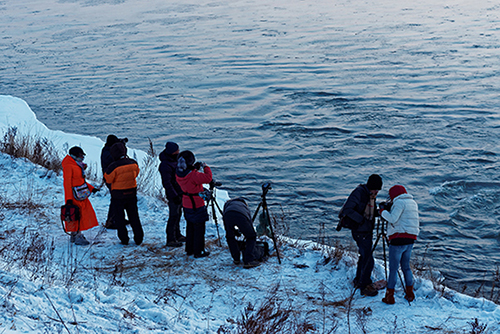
<point>477,327</point>
<point>29,251</point>
<point>334,254</point>
<point>280,225</point>
<point>94,173</point>
<point>362,315</point>
<point>38,150</point>
<point>272,316</point>
<point>149,173</point>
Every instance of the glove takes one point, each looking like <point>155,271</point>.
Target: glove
<point>199,165</point>
<point>69,202</point>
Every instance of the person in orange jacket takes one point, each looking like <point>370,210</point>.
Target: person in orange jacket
<point>191,176</point>
<point>122,174</point>
<point>74,176</point>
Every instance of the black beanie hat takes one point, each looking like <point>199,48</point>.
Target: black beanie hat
<point>374,182</point>
<point>111,139</point>
<point>171,148</point>
<point>76,151</point>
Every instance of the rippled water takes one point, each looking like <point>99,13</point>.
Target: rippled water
<point>313,96</point>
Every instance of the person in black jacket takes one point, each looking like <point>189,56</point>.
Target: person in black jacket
<point>106,160</point>
<point>173,191</point>
<point>237,214</point>
<point>361,208</point>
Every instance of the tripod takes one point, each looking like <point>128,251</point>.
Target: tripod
<point>211,202</point>
<point>265,211</point>
<point>382,234</point>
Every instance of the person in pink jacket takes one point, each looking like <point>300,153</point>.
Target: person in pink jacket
<point>191,176</point>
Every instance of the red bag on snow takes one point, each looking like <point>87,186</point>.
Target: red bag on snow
<point>70,216</point>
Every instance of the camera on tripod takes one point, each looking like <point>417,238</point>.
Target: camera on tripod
<point>385,205</point>
<point>266,187</point>
<point>214,184</point>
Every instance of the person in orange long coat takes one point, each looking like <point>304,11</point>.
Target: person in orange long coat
<point>74,176</point>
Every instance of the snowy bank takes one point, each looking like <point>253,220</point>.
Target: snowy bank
<point>15,112</point>
<point>48,285</point>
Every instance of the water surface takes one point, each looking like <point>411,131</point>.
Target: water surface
<point>312,96</point>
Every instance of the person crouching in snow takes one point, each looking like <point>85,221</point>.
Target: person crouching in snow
<point>402,229</point>
<point>237,214</point>
<point>74,177</point>
<point>122,174</point>
<point>191,178</point>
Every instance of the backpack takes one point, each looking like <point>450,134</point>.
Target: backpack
<point>345,221</point>
<point>261,250</point>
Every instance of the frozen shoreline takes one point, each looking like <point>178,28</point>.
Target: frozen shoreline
<point>47,284</point>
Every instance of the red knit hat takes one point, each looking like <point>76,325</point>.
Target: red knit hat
<point>396,190</point>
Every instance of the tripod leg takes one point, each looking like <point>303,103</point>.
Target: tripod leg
<point>256,211</point>
<point>272,232</point>
<point>214,218</point>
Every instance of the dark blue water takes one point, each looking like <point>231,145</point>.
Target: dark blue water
<point>312,96</point>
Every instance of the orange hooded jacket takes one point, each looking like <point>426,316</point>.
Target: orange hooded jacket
<point>73,177</point>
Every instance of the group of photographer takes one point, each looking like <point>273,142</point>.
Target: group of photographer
<point>401,214</point>
<point>120,173</point>
<point>182,178</point>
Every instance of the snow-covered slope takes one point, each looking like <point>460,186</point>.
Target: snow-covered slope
<point>48,285</point>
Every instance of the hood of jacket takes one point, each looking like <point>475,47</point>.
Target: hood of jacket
<point>118,150</point>
<point>167,157</point>
<point>403,196</point>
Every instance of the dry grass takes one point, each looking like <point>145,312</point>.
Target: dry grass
<point>38,150</point>
<point>273,316</point>
<point>149,173</point>
<point>477,327</point>
<point>28,251</point>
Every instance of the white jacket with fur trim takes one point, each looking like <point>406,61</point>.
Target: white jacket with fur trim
<point>403,217</point>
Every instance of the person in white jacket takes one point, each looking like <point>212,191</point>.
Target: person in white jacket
<point>402,229</point>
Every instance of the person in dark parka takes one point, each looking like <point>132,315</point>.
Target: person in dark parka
<point>173,191</point>
<point>237,214</point>
<point>106,160</point>
<point>361,207</point>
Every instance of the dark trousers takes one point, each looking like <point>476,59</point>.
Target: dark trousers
<point>365,261</point>
<point>232,219</point>
<point>174,217</point>
<point>128,204</point>
<point>111,211</point>
<point>195,230</point>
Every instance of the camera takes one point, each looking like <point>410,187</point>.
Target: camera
<point>123,140</point>
<point>385,205</point>
<point>214,184</point>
